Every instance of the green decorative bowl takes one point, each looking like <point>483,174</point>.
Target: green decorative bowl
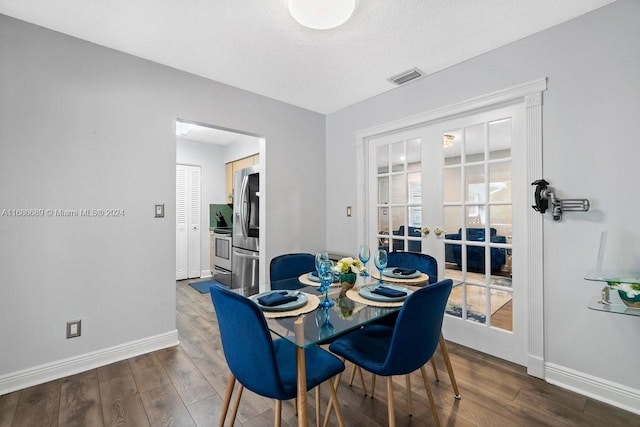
<point>629,301</point>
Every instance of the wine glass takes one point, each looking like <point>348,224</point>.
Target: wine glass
<point>364,254</point>
<point>320,256</point>
<point>326,278</point>
<point>380,260</point>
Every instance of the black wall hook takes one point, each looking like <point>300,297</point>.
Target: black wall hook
<point>542,204</point>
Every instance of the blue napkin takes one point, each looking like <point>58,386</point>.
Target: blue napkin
<point>388,292</point>
<point>276,298</point>
<point>404,271</point>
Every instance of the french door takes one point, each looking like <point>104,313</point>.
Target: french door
<point>445,189</point>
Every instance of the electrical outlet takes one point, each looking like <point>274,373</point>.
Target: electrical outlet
<point>73,328</point>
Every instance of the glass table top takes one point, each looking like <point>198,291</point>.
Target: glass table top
<point>323,324</point>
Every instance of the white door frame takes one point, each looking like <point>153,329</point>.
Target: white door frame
<point>529,96</point>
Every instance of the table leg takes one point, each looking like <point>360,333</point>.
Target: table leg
<point>302,373</point>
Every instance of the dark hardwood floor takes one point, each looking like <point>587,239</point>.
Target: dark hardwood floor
<point>183,386</point>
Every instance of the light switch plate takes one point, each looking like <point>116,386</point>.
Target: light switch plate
<point>160,211</point>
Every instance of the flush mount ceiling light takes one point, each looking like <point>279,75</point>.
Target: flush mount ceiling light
<point>321,14</point>
<point>447,140</point>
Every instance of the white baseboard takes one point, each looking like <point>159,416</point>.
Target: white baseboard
<point>205,273</point>
<point>84,362</point>
<point>596,388</point>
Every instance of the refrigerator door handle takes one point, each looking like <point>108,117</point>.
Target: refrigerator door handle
<point>244,206</point>
<point>248,255</point>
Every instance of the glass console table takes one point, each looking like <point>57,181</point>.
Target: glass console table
<point>609,300</point>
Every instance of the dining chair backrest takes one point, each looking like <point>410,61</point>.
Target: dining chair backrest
<point>422,262</point>
<point>247,343</point>
<point>284,270</point>
<point>417,330</point>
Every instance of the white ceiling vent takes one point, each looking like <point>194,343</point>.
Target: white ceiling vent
<point>406,76</point>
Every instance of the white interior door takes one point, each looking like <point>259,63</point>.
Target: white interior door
<point>188,221</point>
<point>440,189</point>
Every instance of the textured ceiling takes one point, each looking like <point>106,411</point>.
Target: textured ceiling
<point>256,45</point>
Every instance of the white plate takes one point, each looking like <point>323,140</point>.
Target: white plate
<point>301,301</point>
<point>388,272</point>
<point>365,292</point>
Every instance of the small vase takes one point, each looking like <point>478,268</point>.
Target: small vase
<point>347,280</point>
<point>629,301</point>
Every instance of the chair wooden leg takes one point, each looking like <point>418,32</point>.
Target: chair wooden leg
<point>373,385</point>
<point>435,369</point>
<point>277,422</point>
<point>227,399</point>
<point>334,398</point>
<point>447,361</point>
<point>357,369</point>
<point>353,375</point>
<point>236,404</point>
<point>409,399</point>
<point>327,413</point>
<point>390,405</point>
<point>318,404</point>
<point>432,402</point>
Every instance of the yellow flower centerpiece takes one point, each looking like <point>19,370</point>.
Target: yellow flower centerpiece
<point>348,270</point>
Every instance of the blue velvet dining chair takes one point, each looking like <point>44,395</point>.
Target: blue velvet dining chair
<point>265,366</point>
<point>404,348</point>
<point>428,265</point>
<point>285,269</point>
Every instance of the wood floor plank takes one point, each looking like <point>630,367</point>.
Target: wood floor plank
<point>206,412</point>
<point>8,406</point>
<point>165,408</point>
<point>80,400</point>
<point>148,372</point>
<point>39,405</point>
<point>121,402</point>
<point>191,385</point>
<point>610,415</point>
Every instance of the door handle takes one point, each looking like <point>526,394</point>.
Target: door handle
<point>426,231</point>
<point>438,231</point>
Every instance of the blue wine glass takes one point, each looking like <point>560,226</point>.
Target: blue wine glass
<point>320,256</point>
<point>326,278</point>
<point>380,260</point>
<point>364,254</point>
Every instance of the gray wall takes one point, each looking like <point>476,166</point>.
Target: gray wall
<point>590,117</point>
<point>82,126</point>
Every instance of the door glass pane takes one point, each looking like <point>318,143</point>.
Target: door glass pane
<point>397,156</point>
<point>382,159</point>
<point>451,181</point>
<point>500,220</point>
<point>454,303</point>
<point>383,190</point>
<point>452,220</point>
<point>476,299</point>
<point>500,182</point>
<point>502,309</point>
<point>415,216</point>
<point>475,185</point>
<point>383,220</point>
<point>414,182</point>
<point>398,189</point>
<point>414,154</point>
<point>474,137</point>
<point>500,139</point>
<point>452,147</point>
<point>476,215</point>
<point>398,219</point>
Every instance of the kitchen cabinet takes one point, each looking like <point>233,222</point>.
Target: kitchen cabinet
<point>233,167</point>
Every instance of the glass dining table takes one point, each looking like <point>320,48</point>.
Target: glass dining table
<point>321,325</point>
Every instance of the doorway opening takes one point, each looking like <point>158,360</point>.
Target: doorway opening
<point>217,153</point>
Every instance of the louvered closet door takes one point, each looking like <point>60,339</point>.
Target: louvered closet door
<point>188,221</point>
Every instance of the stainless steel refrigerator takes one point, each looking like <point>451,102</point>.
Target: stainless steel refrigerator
<point>246,230</point>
